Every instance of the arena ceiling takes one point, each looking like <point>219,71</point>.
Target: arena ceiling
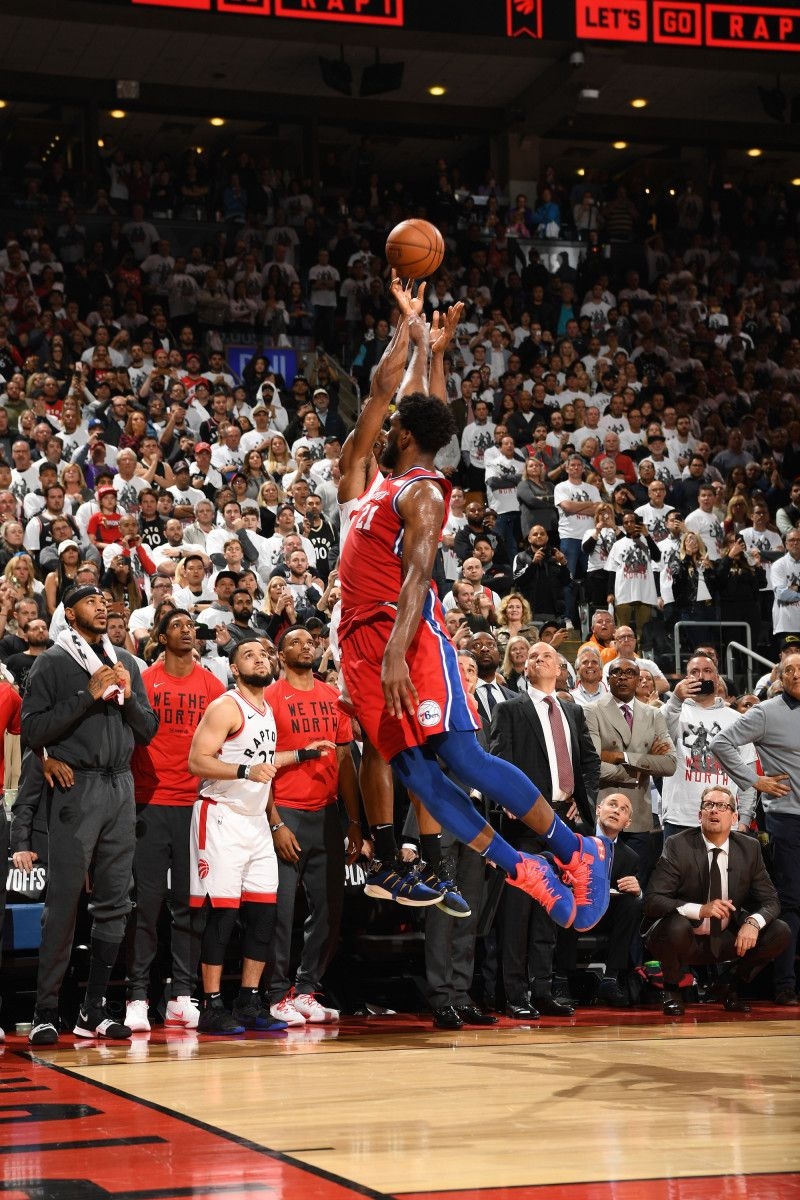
<point>66,52</point>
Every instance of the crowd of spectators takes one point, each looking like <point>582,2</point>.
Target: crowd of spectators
<point>628,426</point>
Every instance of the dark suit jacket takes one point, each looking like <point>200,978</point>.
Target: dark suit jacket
<point>508,694</point>
<point>681,877</point>
<point>625,862</point>
<point>518,737</point>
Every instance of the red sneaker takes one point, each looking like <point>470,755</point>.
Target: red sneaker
<point>535,876</point>
<point>587,874</point>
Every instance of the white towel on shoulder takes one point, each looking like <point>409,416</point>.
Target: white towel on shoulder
<point>82,653</point>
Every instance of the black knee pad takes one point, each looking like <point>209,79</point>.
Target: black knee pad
<point>219,926</point>
<point>258,930</point>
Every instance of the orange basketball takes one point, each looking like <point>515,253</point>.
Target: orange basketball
<point>415,248</point>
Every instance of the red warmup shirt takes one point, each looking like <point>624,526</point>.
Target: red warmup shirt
<point>160,771</point>
<point>302,717</point>
<point>10,707</point>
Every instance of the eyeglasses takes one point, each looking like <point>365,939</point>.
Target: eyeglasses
<point>716,806</point>
<point>624,671</point>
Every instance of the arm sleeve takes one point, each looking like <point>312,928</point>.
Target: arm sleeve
<point>749,728</point>
<point>45,716</point>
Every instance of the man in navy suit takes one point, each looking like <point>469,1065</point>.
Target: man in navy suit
<point>550,742</point>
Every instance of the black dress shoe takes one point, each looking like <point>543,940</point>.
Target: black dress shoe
<point>548,1006</point>
<point>470,1014</point>
<point>521,1012</point>
<point>732,1003</point>
<point>447,1018</point>
<point>787,998</point>
<point>611,995</point>
<point>671,1004</point>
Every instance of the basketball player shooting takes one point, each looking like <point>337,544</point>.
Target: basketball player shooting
<point>401,669</point>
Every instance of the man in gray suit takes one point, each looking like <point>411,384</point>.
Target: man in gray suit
<point>713,902</point>
<point>634,745</point>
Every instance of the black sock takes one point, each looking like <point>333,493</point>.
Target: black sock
<point>383,840</point>
<point>430,847</point>
<point>247,995</point>
<point>101,964</point>
<point>212,999</point>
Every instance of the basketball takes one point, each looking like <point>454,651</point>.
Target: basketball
<point>415,248</point>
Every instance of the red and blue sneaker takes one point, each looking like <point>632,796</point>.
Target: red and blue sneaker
<point>535,876</point>
<point>587,873</point>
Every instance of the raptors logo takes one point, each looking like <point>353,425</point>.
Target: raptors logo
<point>429,714</point>
<point>202,868</point>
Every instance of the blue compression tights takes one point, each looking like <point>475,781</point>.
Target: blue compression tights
<point>500,781</point>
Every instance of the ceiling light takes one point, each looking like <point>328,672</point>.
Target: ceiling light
<point>640,102</point>
<point>100,143</point>
<point>118,113</point>
<point>647,191</point>
<point>754,152</point>
<point>436,89</point>
<point>3,104</point>
<point>216,121</point>
<point>672,191</point>
<point>796,183</point>
<point>620,145</point>
<point>581,171</point>
<point>589,93</point>
<point>198,149</point>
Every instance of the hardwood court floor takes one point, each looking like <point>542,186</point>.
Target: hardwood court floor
<point>603,1107</point>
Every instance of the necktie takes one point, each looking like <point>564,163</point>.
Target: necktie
<point>628,715</point>
<point>715,893</point>
<point>566,778</point>
<point>489,699</point>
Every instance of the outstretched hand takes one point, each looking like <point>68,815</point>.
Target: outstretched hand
<point>443,329</point>
<point>409,304</point>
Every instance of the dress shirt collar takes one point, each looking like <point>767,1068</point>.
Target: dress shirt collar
<point>790,701</point>
<point>725,847</point>
<point>539,697</point>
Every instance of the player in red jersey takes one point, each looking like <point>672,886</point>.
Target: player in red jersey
<point>179,691</point>
<point>388,878</point>
<point>401,671</point>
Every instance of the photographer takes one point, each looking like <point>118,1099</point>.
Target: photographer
<point>541,574</point>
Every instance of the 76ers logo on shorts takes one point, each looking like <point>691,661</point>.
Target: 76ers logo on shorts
<point>202,868</point>
<point>429,714</point>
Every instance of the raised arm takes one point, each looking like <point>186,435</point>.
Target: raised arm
<point>442,333</point>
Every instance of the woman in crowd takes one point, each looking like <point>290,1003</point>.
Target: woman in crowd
<point>20,572</point>
<point>135,429</point>
<point>12,535</point>
<point>535,495</point>
<point>740,578</point>
<point>279,460</point>
<point>514,659</point>
<point>119,580</point>
<point>738,515</point>
<point>253,471</point>
<point>646,689</point>
<point>58,582</point>
<point>74,484</point>
<point>278,611</point>
<point>694,585</point>
<point>513,617</point>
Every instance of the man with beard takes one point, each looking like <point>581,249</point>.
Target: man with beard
<point>38,638</point>
<point>308,832</point>
<point>239,629</point>
<point>401,669</point>
<point>233,867</point>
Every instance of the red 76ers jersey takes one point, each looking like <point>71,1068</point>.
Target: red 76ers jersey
<point>371,566</point>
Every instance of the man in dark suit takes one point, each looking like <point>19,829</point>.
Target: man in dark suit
<point>488,693</point>
<point>713,902</point>
<point>623,918</point>
<point>548,741</point>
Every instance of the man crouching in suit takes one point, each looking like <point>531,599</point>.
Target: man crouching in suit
<point>634,745</point>
<point>623,918</point>
<point>713,902</point>
<point>549,741</point>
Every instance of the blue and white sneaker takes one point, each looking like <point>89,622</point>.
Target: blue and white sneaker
<point>392,882</point>
<point>536,877</point>
<point>587,873</point>
<point>450,899</point>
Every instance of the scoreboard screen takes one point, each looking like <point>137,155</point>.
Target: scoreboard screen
<point>717,24</point>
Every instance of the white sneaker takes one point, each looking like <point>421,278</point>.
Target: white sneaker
<point>182,1013</point>
<point>136,1016</point>
<point>313,1011</point>
<point>2,1034</point>
<point>286,1010</point>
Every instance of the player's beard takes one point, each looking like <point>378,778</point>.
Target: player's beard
<point>391,453</point>
<point>255,681</point>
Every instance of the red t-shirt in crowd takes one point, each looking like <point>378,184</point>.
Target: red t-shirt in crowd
<point>300,718</point>
<point>160,771</point>
<point>104,527</point>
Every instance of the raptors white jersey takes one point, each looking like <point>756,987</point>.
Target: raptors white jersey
<point>252,743</point>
